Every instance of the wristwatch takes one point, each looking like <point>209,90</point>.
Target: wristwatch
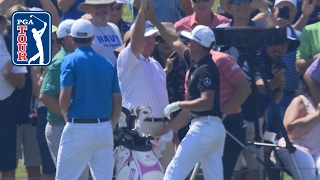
<point>268,14</point>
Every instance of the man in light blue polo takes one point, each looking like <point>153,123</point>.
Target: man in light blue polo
<point>90,100</point>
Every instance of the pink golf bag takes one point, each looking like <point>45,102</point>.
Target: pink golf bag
<point>134,157</point>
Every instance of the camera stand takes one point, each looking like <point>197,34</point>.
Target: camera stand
<point>249,41</point>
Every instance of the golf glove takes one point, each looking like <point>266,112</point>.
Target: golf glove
<point>171,108</point>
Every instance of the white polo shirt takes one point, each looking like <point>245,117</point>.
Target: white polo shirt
<point>142,82</point>
<point>6,89</point>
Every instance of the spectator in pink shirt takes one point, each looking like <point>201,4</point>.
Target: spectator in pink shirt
<point>202,10</point>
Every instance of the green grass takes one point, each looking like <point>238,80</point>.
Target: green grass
<point>20,171</point>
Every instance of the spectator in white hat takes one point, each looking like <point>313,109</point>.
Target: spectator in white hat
<point>107,36</point>
<point>50,91</point>
<point>90,84</point>
<point>116,17</point>
<point>137,70</point>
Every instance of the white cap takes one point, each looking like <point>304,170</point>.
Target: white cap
<point>293,2</point>
<point>35,9</point>
<point>82,28</point>
<point>201,34</point>
<point>121,1</point>
<point>64,28</point>
<point>149,30</point>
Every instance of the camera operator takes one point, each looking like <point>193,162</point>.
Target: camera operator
<point>285,11</point>
<point>241,10</point>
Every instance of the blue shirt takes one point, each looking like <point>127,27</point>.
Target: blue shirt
<point>73,12</point>
<point>124,26</point>
<point>94,80</point>
<point>165,10</point>
<point>262,99</point>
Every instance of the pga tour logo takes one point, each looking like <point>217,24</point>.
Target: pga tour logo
<point>31,38</point>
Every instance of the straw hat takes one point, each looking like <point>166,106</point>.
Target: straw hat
<point>94,2</point>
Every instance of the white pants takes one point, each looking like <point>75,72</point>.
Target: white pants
<point>82,144</point>
<point>306,163</point>
<point>203,143</point>
<point>53,135</point>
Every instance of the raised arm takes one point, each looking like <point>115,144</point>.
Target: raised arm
<point>64,5</point>
<point>171,38</point>
<point>137,35</point>
<point>186,7</point>
<point>49,6</point>
<point>307,8</point>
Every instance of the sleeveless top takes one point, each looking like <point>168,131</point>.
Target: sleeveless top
<point>309,142</point>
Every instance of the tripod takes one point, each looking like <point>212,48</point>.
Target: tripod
<point>249,41</point>
<point>254,61</point>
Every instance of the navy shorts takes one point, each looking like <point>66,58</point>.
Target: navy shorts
<point>8,133</point>
<point>48,166</point>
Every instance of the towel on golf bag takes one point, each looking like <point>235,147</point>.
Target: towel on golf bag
<point>160,142</point>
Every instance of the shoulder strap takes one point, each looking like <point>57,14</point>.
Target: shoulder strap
<point>307,103</point>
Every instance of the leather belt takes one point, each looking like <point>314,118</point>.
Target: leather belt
<point>164,119</point>
<point>96,120</point>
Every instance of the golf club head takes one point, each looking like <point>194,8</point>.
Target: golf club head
<point>128,137</point>
<point>124,115</point>
<point>133,133</point>
<point>149,137</point>
<point>143,112</point>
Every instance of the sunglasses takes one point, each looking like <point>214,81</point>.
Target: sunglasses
<point>238,2</point>
<point>160,40</point>
<point>116,8</point>
<point>197,1</point>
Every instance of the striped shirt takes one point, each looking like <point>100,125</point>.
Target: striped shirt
<point>291,74</point>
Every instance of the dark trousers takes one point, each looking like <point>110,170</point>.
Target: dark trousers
<point>8,132</point>
<point>235,126</point>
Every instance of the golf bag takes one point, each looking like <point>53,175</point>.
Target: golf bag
<point>134,157</point>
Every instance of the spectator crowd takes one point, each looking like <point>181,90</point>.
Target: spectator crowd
<point>164,58</point>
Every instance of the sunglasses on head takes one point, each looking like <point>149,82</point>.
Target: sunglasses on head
<point>160,40</point>
<point>197,1</point>
<point>116,8</point>
<point>238,2</point>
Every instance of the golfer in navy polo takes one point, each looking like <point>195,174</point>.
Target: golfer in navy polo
<point>90,101</point>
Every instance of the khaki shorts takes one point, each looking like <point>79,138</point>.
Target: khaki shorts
<point>26,137</point>
<point>245,158</point>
